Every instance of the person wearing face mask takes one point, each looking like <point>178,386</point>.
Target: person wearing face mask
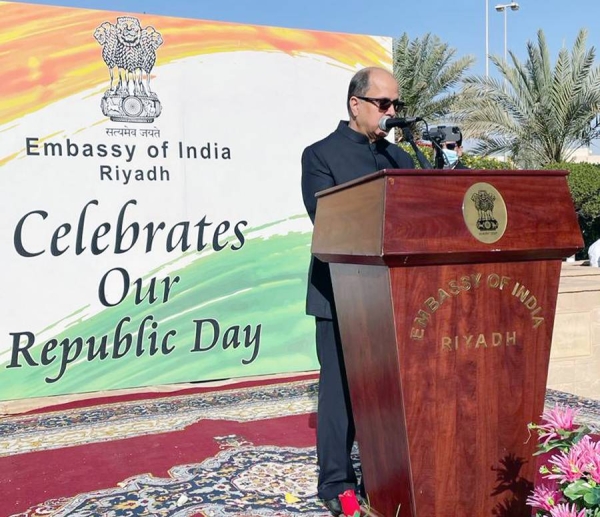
<point>356,148</point>
<point>452,154</point>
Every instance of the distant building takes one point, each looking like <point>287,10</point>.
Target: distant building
<point>584,154</point>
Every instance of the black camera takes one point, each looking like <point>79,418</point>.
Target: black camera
<point>443,134</point>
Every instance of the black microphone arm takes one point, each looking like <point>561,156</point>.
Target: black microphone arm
<point>423,161</point>
<point>386,123</point>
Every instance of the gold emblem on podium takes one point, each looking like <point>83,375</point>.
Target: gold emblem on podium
<point>484,212</point>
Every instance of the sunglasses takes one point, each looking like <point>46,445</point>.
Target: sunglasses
<point>383,104</point>
<point>450,146</point>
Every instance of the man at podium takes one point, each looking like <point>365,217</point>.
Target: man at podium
<point>356,148</point>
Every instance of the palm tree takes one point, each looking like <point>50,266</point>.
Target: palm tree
<point>427,75</point>
<point>537,114</point>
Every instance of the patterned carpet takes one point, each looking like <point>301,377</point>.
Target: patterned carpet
<point>240,474</point>
<point>115,421</point>
<point>243,481</point>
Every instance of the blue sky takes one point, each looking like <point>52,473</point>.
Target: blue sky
<point>460,23</point>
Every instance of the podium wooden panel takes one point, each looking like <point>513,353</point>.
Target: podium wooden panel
<point>446,338</point>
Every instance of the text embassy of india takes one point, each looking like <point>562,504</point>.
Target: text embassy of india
<point>121,238</point>
<point>71,149</point>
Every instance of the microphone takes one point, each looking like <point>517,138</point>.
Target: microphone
<point>386,123</point>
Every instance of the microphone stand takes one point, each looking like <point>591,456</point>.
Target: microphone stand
<point>440,159</point>
<point>423,161</point>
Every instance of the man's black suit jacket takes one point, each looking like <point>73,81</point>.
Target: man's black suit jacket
<point>341,157</point>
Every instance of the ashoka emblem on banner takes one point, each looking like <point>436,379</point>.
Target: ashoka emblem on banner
<point>129,52</point>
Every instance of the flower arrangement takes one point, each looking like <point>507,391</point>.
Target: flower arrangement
<point>571,474</point>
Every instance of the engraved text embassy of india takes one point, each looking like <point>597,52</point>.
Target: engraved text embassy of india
<point>470,283</point>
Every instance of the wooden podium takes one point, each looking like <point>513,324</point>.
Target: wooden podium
<point>445,285</point>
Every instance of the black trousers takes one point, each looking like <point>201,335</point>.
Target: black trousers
<point>335,425</point>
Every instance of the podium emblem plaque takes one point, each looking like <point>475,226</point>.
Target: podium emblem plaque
<point>484,212</point>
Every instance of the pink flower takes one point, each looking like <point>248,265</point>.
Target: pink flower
<point>594,465</point>
<point>544,498</point>
<point>349,502</point>
<point>568,466</point>
<point>589,454</point>
<point>564,510</point>
<point>595,470</point>
<point>559,418</point>
<point>582,459</point>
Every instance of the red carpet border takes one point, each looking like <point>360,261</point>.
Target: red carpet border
<point>119,420</point>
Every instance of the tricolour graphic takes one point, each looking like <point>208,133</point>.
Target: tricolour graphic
<point>153,229</point>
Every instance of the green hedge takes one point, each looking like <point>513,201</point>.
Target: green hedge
<point>477,162</point>
<point>584,183</point>
<point>472,162</point>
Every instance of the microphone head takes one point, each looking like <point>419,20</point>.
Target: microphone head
<point>383,123</point>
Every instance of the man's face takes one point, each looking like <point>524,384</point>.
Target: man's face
<point>453,146</point>
<point>366,114</point>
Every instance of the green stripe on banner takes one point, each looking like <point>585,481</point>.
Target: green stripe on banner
<point>257,291</point>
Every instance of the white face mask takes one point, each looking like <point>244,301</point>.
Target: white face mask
<point>451,157</point>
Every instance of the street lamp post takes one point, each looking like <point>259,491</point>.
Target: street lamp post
<point>487,38</point>
<point>503,8</point>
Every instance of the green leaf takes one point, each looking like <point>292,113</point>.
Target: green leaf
<point>592,497</point>
<point>576,490</point>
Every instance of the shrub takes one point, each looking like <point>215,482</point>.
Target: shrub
<point>478,162</point>
<point>472,162</point>
<point>584,184</point>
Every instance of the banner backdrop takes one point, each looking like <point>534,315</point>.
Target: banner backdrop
<point>153,229</point>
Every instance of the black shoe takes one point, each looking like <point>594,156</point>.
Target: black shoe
<point>360,491</point>
<point>334,506</point>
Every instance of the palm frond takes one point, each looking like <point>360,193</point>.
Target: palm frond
<point>428,74</point>
<point>537,111</point>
